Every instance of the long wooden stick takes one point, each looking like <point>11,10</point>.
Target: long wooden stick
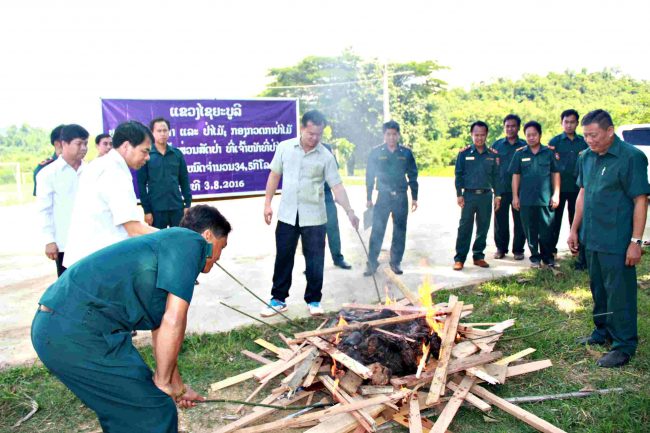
<point>519,413</point>
<point>449,412</point>
<point>343,397</point>
<point>341,357</point>
<point>402,287</point>
<point>440,309</point>
<point>578,394</point>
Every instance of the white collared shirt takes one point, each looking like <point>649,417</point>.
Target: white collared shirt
<point>105,201</point>
<point>303,175</point>
<point>56,188</point>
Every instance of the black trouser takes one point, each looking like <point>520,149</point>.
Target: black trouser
<point>332,230</point>
<point>568,198</point>
<point>60,269</point>
<point>313,247</point>
<point>537,222</point>
<point>396,203</point>
<point>167,218</point>
<point>502,227</point>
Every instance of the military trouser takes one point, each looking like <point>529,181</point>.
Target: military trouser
<point>332,230</point>
<point>105,371</point>
<point>396,203</point>
<point>537,222</point>
<point>614,290</point>
<point>502,227</point>
<point>167,218</point>
<point>479,207</point>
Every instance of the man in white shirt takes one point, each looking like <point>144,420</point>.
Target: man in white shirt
<point>56,191</point>
<point>106,209</point>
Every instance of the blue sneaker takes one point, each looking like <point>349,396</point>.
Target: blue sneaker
<point>274,308</point>
<point>315,309</point>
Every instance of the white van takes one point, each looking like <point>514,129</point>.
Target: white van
<point>638,135</point>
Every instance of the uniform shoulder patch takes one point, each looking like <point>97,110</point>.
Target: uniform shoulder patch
<point>493,150</point>
<point>464,148</point>
<point>46,161</point>
<point>520,149</point>
<point>551,147</point>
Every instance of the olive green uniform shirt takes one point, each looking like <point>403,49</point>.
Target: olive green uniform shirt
<point>535,186</point>
<point>611,182</point>
<point>506,153</point>
<point>477,170</point>
<point>566,154</point>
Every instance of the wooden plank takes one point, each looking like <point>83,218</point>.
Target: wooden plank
<point>471,398</point>
<point>415,419</point>
<point>482,374</point>
<point>286,365</point>
<point>366,421</point>
<point>302,370</point>
<point>250,397</point>
<point>440,375</point>
<point>256,357</point>
<point>455,366</point>
<point>309,379</point>
<point>441,309</point>
<point>288,423</point>
<point>514,410</point>
<point>350,382</point>
<point>529,367</point>
<point>341,357</point>
<point>412,297</point>
<point>499,372</point>
<point>259,413</point>
<point>282,353</point>
<point>358,325</point>
<point>402,419</point>
<point>245,376</point>
<point>508,359</point>
<point>344,422</point>
<point>290,345</point>
<point>449,412</point>
<point>374,390</point>
<point>466,348</point>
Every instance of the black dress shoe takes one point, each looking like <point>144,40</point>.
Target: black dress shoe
<point>396,269</point>
<point>370,270</point>
<point>613,359</point>
<point>343,264</point>
<point>592,341</point>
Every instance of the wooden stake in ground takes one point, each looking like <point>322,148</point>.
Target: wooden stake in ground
<point>440,376</point>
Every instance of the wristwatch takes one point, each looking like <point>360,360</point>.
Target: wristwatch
<point>637,241</point>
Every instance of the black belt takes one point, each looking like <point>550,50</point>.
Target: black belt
<point>479,191</point>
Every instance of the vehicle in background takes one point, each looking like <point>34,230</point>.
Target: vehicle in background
<point>638,135</point>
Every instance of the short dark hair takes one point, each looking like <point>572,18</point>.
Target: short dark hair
<point>391,124</point>
<point>479,123</point>
<point>601,117</point>
<point>100,137</point>
<point>315,117</point>
<point>159,119</point>
<point>55,135</point>
<point>533,124</point>
<point>512,117</point>
<point>72,131</point>
<point>569,112</point>
<point>204,217</point>
<point>132,131</point>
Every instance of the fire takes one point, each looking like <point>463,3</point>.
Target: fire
<point>425,297</point>
<point>337,340</point>
<point>389,301</point>
<point>423,360</point>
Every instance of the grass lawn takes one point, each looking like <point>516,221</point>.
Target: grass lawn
<point>554,309</point>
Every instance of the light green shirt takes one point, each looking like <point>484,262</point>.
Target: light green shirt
<point>303,175</point>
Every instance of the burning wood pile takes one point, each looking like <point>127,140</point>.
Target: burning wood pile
<point>375,365</point>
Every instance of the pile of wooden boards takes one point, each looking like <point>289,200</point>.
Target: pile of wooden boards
<point>467,359</point>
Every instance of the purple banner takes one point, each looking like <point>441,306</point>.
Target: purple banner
<point>228,144</point>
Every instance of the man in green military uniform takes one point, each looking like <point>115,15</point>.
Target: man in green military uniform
<point>567,146</point>
<point>390,165</point>
<point>611,208</point>
<point>477,176</point>
<point>163,181</point>
<point>506,148</point>
<point>535,193</point>
<point>82,328</point>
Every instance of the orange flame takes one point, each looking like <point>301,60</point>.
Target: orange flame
<point>334,370</point>
<point>425,297</point>
<point>389,301</point>
<point>423,360</point>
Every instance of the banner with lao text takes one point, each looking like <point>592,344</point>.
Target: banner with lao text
<point>228,144</point>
